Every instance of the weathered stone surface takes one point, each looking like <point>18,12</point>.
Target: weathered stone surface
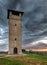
<point>15,38</point>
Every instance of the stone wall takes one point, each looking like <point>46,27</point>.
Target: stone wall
<point>15,34</point>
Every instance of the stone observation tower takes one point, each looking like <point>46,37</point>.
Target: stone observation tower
<point>15,32</point>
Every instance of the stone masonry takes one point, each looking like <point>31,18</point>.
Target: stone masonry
<point>15,32</point>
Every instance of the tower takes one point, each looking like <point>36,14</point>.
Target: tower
<point>15,32</point>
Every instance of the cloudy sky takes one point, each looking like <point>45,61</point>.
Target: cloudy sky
<point>34,21</point>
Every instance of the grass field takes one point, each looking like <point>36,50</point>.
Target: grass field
<point>30,59</point>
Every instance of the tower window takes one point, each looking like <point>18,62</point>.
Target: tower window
<point>15,39</point>
<point>15,24</point>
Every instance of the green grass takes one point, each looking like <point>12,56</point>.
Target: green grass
<point>29,59</point>
<point>37,56</point>
<point>4,61</point>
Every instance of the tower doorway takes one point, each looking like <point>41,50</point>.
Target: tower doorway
<point>15,50</point>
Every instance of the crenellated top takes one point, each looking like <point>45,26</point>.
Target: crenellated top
<point>14,13</point>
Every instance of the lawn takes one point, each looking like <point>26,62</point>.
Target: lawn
<point>30,59</point>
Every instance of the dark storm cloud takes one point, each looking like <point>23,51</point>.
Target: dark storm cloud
<point>34,21</point>
<point>9,3</point>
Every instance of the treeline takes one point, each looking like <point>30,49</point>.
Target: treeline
<point>44,53</point>
<point>3,52</point>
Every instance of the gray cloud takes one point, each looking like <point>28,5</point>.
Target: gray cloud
<point>34,21</point>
